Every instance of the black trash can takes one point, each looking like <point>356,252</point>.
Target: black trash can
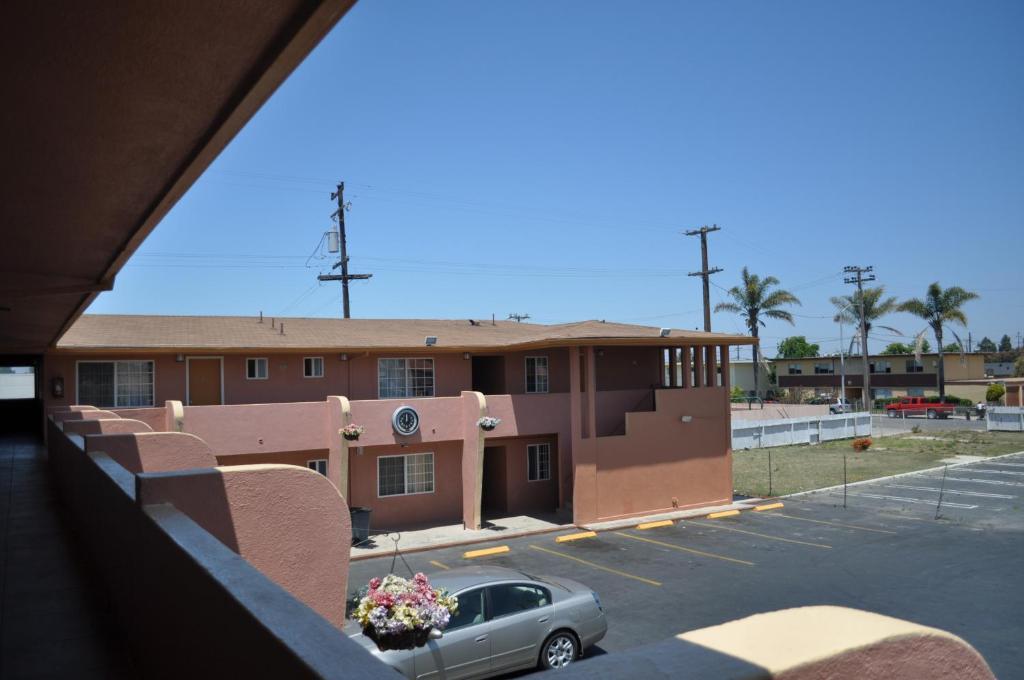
<point>360,524</point>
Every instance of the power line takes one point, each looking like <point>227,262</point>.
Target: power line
<point>342,262</point>
<point>705,273</point>
<point>859,278</point>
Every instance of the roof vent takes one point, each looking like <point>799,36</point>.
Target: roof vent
<point>261,316</point>
<point>430,340</point>
<point>282,328</point>
<point>663,333</point>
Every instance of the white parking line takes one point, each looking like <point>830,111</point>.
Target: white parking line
<point>996,472</point>
<point>1007,464</point>
<point>911,500</point>
<point>950,491</point>
<point>996,482</point>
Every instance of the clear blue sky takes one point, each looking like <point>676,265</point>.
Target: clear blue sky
<point>543,157</point>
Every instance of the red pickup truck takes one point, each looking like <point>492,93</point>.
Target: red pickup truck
<point>917,406</point>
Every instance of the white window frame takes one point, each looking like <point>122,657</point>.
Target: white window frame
<point>405,473</point>
<point>266,364</point>
<point>536,448</point>
<point>78,382</point>
<point>433,377</point>
<point>526,375</point>
<point>318,465</point>
<point>314,360</point>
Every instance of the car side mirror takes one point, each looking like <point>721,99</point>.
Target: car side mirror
<point>435,634</point>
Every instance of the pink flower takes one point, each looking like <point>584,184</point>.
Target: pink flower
<point>374,583</point>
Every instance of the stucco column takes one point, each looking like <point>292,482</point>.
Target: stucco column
<point>591,430</point>
<point>724,353</point>
<point>474,407</point>
<point>584,450</point>
<point>339,414</point>
<point>711,366</point>
<point>698,366</point>
<point>687,368</point>
<point>174,419</point>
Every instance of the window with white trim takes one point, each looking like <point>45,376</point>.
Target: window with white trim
<point>403,378</point>
<point>115,384</point>
<point>256,369</point>
<point>318,465</point>
<point>313,367</point>
<point>538,462</point>
<point>404,475</point>
<point>536,375</point>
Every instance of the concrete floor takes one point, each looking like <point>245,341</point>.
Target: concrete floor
<point>53,620</point>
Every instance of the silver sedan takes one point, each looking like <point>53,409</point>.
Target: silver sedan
<point>507,621</point>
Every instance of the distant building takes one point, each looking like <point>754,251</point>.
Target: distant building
<point>892,375</point>
<point>741,375</point>
<point>999,369</point>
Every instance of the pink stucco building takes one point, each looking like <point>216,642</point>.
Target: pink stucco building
<point>610,420</point>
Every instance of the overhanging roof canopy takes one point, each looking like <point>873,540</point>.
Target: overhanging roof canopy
<point>110,112</point>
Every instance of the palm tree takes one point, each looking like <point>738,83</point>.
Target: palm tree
<point>939,308</point>
<point>875,307</point>
<point>752,300</point>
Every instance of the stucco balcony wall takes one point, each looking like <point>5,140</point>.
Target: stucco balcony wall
<point>182,580</point>
<point>674,457</point>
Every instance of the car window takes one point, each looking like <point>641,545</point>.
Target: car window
<point>514,598</point>
<point>471,609</point>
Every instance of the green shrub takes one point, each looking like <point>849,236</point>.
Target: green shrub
<point>994,392</point>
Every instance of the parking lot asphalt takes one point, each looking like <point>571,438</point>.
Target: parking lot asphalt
<point>884,552</point>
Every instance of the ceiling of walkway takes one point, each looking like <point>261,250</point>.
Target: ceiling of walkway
<point>111,111</point>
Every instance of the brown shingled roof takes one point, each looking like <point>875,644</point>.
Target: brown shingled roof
<point>103,332</point>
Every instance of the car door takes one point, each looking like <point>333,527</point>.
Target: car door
<point>464,651</point>
<point>520,620</point>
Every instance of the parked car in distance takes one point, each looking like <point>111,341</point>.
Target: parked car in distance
<point>918,406</point>
<point>506,621</point>
<point>840,406</point>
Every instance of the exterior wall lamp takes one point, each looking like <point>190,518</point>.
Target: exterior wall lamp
<point>179,358</point>
<point>57,387</point>
<point>686,419</point>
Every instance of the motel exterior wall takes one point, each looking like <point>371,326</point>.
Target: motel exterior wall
<point>618,444</point>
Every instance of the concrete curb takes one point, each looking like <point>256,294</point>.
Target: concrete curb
<point>902,474</point>
<point>384,552</point>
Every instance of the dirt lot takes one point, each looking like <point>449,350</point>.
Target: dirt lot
<point>806,467</point>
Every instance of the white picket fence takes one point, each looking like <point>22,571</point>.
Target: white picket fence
<point>1005,418</point>
<point>759,434</point>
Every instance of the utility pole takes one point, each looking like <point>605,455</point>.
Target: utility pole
<point>705,273</point>
<point>970,342</point>
<point>859,278</point>
<point>344,277</point>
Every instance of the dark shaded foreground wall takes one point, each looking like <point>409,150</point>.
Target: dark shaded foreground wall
<point>189,606</point>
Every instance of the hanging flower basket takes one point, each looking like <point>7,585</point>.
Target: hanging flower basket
<point>351,432</point>
<point>398,613</point>
<point>487,423</point>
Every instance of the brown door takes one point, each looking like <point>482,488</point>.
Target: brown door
<point>203,381</point>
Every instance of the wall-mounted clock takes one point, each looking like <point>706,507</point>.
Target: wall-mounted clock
<point>405,420</point>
